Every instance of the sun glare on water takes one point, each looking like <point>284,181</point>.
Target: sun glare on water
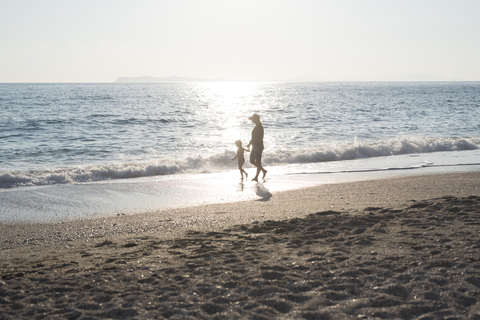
<point>228,105</point>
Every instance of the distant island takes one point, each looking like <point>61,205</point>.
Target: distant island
<point>176,79</point>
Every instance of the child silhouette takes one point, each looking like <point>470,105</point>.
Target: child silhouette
<point>241,158</point>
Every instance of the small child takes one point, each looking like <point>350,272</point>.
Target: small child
<point>241,157</point>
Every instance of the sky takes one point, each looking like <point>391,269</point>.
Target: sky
<point>247,40</point>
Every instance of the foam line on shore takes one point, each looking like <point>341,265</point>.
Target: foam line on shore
<point>223,161</point>
<point>390,193</point>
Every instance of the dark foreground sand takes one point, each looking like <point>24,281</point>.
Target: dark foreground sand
<point>389,249</point>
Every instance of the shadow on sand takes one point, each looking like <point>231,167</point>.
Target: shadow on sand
<point>262,192</point>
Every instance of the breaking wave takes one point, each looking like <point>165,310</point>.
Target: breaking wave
<point>223,161</point>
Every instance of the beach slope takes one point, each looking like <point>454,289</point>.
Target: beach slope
<point>401,248</point>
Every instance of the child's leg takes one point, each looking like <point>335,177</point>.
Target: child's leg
<point>240,167</point>
<point>246,174</point>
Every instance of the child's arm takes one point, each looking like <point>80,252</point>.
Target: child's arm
<point>248,150</point>
<point>235,157</point>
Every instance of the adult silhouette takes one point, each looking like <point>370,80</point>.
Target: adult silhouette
<point>257,146</point>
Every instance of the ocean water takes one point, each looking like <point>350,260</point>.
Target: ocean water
<point>69,133</point>
<point>75,135</point>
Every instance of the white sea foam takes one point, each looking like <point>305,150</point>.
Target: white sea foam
<point>359,150</point>
<point>223,161</point>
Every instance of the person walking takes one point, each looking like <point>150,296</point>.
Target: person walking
<point>241,158</point>
<point>257,146</point>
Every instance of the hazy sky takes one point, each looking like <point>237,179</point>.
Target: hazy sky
<point>99,40</point>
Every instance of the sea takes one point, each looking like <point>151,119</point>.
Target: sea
<point>115,148</point>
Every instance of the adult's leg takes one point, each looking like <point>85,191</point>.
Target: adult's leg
<point>252,157</point>
<point>259,168</point>
<point>256,160</point>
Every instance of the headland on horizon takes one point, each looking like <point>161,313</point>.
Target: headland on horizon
<point>311,78</point>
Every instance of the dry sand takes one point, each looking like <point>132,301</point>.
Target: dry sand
<point>401,248</point>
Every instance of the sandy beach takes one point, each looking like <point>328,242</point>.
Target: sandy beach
<point>402,248</point>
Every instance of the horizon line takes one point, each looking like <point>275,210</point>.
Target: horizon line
<point>227,81</point>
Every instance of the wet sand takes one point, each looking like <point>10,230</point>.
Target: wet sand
<point>401,248</point>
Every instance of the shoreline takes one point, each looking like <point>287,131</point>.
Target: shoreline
<point>389,193</point>
<point>379,249</point>
<point>74,201</point>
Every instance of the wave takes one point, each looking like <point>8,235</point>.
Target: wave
<point>223,161</point>
<point>360,150</point>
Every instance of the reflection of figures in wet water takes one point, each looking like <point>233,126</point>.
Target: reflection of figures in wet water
<point>262,192</point>
<point>258,188</point>
<point>241,186</point>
